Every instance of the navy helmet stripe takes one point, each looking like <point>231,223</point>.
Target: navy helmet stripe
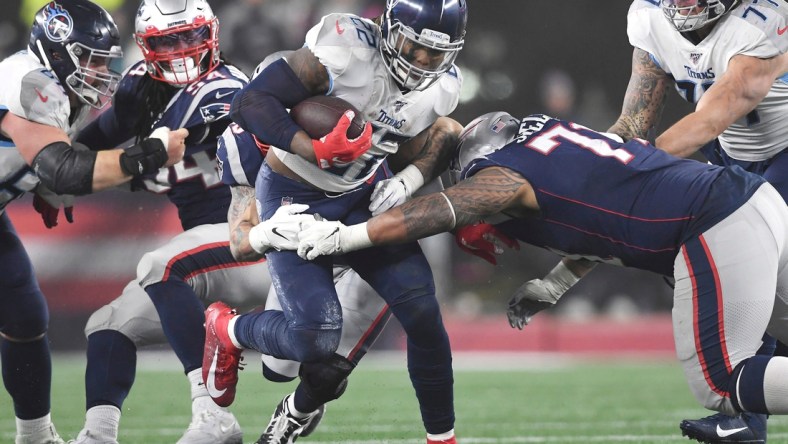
<point>708,322</point>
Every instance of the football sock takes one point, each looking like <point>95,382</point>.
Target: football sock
<point>112,364</point>
<point>441,437</point>
<point>182,317</point>
<point>293,410</point>
<point>27,375</point>
<point>103,420</point>
<point>30,426</point>
<point>196,384</point>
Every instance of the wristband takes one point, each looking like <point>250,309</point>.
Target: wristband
<point>411,177</point>
<point>559,280</point>
<point>354,237</point>
<point>144,158</point>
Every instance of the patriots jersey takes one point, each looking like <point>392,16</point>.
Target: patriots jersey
<point>756,28</point>
<point>240,156</point>
<point>348,47</point>
<point>203,107</point>
<point>628,203</point>
<point>31,91</point>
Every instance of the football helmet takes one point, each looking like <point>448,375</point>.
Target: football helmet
<point>690,15</point>
<point>179,39</point>
<point>486,134</point>
<point>437,26</point>
<point>77,40</point>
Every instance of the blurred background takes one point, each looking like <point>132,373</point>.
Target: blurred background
<point>566,58</point>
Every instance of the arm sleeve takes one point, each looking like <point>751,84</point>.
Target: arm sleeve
<point>261,107</point>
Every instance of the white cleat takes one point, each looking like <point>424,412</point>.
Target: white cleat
<point>211,424</point>
<point>86,437</point>
<point>47,435</point>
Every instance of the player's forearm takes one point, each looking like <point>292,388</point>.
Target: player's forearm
<point>644,99</point>
<point>241,217</point>
<point>437,147</point>
<point>688,135</point>
<point>107,172</point>
<point>419,218</point>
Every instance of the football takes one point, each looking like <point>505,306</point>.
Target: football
<point>319,115</point>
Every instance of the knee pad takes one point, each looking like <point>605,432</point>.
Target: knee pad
<point>326,380</point>
<point>150,269</point>
<point>315,345</point>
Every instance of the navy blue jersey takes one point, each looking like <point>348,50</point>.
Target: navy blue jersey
<point>240,156</point>
<point>624,203</point>
<point>193,184</point>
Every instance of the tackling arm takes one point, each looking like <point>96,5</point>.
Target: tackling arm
<point>644,99</point>
<point>241,217</point>
<point>743,86</point>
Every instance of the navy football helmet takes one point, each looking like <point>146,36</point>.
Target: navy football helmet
<point>436,26</point>
<point>77,40</point>
<point>690,15</point>
<point>485,135</point>
<point>179,39</point>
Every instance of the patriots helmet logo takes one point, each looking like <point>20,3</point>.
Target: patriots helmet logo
<point>58,23</point>
<point>214,111</point>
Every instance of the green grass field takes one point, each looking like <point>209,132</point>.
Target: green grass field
<point>526,400</point>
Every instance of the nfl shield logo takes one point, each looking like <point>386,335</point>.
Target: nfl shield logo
<point>695,56</point>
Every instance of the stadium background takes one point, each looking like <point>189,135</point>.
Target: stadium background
<point>567,58</point>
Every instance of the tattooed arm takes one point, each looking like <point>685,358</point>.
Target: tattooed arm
<point>644,99</point>
<point>241,217</point>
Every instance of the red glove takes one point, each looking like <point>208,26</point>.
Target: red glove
<point>483,240</point>
<point>49,210</point>
<point>335,148</point>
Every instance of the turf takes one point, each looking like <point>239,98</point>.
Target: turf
<point>534,400</point>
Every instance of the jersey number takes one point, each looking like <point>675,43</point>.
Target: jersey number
<point>202,167</point>
<point>547,141</point>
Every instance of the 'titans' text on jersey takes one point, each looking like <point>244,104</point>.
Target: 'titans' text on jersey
<point>755,28</point>
<point>348,47</point>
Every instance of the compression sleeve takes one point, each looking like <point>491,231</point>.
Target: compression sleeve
<point>261,107</point>
<point>65,170</point>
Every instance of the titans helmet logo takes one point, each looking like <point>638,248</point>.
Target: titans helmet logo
<point>58,23</point>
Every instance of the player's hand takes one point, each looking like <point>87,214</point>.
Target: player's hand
<point>528,300</point>
<point>388,194</point>
<point>321,238</point>
<point>48,204</point>
<point>335,147</point>
<point>281,230</point>
<point>484,240</point>
<point>174,142</point>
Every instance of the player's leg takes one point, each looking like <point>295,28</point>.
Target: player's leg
<point>364,316</point>
<point>24,349</point>
<point>775,171</point>
<point>723,301</point>
<point>178,277</point>
<point>114,333</point>
<point>401,275</point>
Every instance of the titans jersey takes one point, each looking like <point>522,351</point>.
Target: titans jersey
<point>348,47</point>
<point>32,92</point>
<point>756,28</point>
<point>193,184</point>
<point>627,204</point>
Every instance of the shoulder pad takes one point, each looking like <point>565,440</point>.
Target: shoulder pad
<point>449,87</point>
<point>767,20</point>
<point>42,100</point>
<point>341,40</point>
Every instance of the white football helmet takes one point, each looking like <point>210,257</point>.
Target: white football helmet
<point>690,15</point>
<point>179,39</point>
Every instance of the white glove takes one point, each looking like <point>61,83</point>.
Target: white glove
<point>538,294</point>
<point>395,191</point>
<point>330,237</point>
<point>281,230</point>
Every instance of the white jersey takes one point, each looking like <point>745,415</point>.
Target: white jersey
<point>756,28</point>
<point>348,47</point>
<point>30,91</point>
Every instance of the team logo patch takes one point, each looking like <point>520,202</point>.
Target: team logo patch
<point>215,111</point>
<point>58,23</point>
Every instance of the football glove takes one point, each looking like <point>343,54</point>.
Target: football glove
<point>48,204</point>
<point>484,240</point>
<point>330,237</point>
<point>395,191</point>
<point>335,148</point>
<point>539,294</point>
<point>281,230</point>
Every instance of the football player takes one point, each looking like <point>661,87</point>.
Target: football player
<point>398,71</point>
<point>728,57</point>
<point>721,232</point>
<point>47,91</point>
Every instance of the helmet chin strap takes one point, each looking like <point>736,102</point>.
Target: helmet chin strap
<point>43,55</point>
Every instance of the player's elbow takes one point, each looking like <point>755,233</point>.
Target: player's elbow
<point>65,170</point>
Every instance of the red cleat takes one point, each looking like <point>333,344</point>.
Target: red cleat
<point>221,359</point>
